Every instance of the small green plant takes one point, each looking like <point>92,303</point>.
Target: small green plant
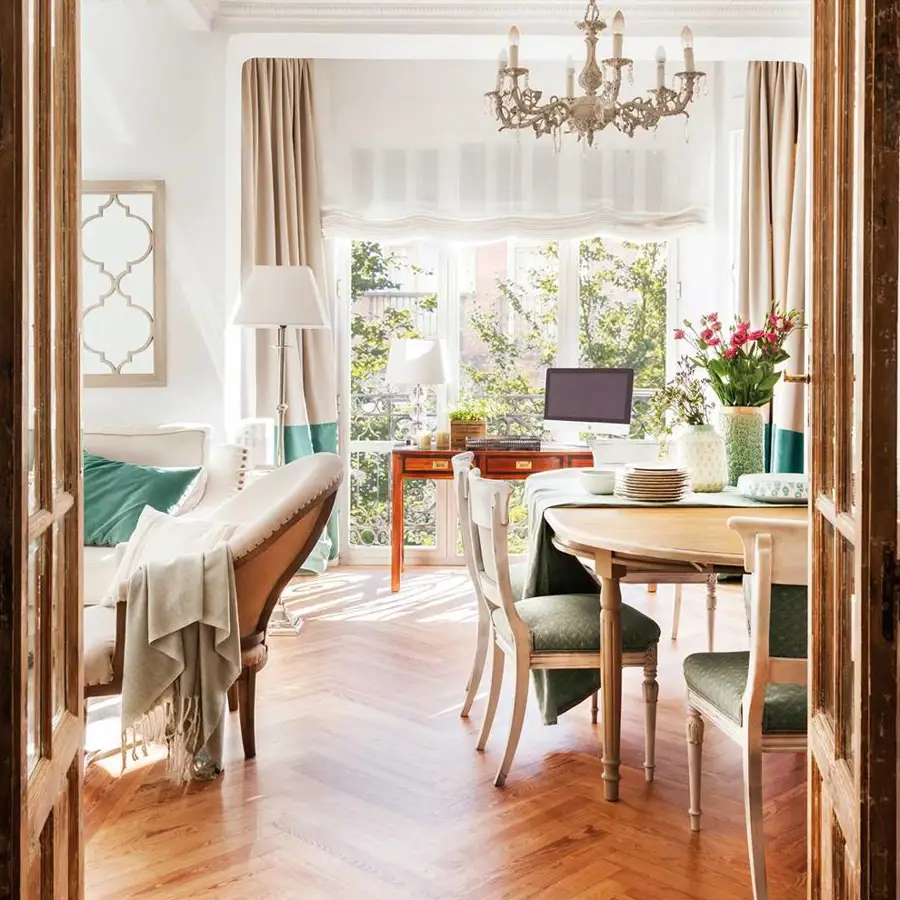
<point>474,410</point>
<point>680,402</point>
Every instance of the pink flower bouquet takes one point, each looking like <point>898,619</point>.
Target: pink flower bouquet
<point>742,364</point>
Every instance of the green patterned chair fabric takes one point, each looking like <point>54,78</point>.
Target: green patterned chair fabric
<point>788,634</point>
<point>570,623</point>
<point>721,678</point>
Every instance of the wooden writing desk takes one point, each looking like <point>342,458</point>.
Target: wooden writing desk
<point>408,463</point>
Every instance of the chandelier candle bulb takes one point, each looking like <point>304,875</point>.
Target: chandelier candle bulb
<point>514,47</point>
<point>618,30</point>
<point>570,77</point>
<point>660,66</point>
<point>501,68</point>
<point>687,41</point>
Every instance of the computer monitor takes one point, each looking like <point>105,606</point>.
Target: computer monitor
<point>583,398</point>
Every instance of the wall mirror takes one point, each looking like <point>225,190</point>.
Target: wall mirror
<point>123,284</point>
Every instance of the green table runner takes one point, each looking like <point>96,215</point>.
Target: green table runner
<point>550,571</point>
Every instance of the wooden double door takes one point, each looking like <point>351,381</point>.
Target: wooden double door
<point>41,720</point>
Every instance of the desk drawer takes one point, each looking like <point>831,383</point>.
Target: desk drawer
<point>580,462</point>
<point>428,464</point>
<point>498,464</point>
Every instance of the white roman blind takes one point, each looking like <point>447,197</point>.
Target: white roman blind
<point>408,150</point>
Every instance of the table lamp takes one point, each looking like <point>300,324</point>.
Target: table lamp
<point>281,297</point>
<point>417,362</point>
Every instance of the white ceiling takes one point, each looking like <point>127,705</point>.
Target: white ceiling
<point>726,18</point>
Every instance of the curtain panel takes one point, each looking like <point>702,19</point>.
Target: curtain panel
<point>410,150</point>
<point>281,225</point>
<point>772,266</point>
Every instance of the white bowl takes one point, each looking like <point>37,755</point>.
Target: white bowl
<point>598,481</point>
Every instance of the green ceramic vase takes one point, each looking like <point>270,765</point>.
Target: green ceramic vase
<point>744,433</point>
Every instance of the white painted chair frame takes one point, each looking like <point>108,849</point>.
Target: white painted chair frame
<point>462,465</point>
<point>775,551</point>
<point>489,507</point>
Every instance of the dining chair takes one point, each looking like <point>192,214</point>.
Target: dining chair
<point>757,697</point>
<point>462,465</point>
<point>554,632</point>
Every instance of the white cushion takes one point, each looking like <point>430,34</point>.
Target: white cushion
<point>100,564</point>
<point>99,644</point>
<point>157,445</point>
<point>161,538</point>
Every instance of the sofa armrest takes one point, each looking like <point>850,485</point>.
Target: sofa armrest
<point>224,478</point>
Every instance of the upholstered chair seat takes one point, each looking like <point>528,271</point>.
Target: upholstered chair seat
<point>570,623</point>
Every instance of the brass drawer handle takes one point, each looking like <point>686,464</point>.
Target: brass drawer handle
<point>524,463</point>
<point>440,464</point>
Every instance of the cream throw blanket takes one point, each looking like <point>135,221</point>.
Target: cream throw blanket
<point>182,653</point>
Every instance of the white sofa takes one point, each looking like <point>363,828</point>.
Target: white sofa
<point>224,467</point>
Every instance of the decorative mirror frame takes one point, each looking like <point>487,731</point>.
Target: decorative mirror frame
<point>156,378</point>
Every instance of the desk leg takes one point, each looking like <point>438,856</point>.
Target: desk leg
<point>396,522</point>
<point>611,682</point>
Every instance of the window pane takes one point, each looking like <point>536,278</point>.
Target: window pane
<point>393,295</point>
<point>622,310</point>
<point>509,302</point>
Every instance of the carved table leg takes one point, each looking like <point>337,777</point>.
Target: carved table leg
<point>611,682</point>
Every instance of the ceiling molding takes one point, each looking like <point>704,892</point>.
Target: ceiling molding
<point>546,16</point>
<point>196,15</point>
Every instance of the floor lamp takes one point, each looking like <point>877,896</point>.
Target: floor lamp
<point>281,297</point>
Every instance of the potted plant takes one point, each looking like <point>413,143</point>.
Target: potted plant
<point>742,371</point>
<point>467,419</point>
<point>699,448</point>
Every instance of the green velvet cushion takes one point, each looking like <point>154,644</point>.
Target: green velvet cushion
<point>721,678</point>
<point>788,615</point>
<point>570,623</point>
<point>115,494</point>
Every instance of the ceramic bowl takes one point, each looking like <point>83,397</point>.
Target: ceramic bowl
<point>774,487</point>
<point>598,481</point>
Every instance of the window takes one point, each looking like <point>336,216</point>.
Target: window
<point>507,310</point>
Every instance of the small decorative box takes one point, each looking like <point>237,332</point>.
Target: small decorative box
<point>775,487</point>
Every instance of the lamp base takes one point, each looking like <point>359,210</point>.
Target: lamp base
<point>283,621</point>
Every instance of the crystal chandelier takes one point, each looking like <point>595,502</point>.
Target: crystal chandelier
<point>517,105</point>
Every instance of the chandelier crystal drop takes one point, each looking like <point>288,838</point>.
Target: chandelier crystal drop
<point>517,105</point>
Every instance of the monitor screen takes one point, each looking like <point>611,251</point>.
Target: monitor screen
<point>589,395</point>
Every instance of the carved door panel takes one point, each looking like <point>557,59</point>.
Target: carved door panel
<point>41,721</point>
<point>853,658</point>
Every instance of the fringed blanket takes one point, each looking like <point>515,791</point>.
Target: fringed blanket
<point>182,653</point>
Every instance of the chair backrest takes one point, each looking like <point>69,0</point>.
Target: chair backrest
<point>776,554</point>
<point>462,465</point>
<point>489,532</point>
<point>280,517</point>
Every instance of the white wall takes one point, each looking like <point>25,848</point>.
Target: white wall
<point>153,106</point>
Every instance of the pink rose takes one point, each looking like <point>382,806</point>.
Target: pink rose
<point>706,335</point>
<point>716,325</point>
<point>788,325</point>
<point>755,335</point>
<point>771,337</point>
<point>714,341</point>
<point>713,317</point>
<point>679,334</point>
<point>738,339</point>
<point>730,353</point>
<point>743,327</point>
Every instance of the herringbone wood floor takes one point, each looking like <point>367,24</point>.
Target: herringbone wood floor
<point>367,785</point>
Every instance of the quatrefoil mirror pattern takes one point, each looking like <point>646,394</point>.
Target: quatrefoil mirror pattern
<point>123,284</point>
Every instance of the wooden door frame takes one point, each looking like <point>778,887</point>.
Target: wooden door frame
<point>41,829</point>
<point>852,828</point>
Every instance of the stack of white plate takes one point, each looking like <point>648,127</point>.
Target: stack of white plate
<point>652,483</point>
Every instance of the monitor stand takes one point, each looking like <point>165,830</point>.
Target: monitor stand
<point>566,435</point>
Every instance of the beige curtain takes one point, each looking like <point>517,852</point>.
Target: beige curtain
<point>773,232</point>
<point>281,225</point>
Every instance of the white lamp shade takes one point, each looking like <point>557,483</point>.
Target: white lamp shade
<point>281,295</point>
<point>417,361</point>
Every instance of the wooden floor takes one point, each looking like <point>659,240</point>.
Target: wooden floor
<point>367,785</point>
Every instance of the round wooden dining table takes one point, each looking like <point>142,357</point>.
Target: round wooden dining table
<point>643,545</point>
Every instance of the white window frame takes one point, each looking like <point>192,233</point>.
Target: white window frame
<point>445,550</point>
